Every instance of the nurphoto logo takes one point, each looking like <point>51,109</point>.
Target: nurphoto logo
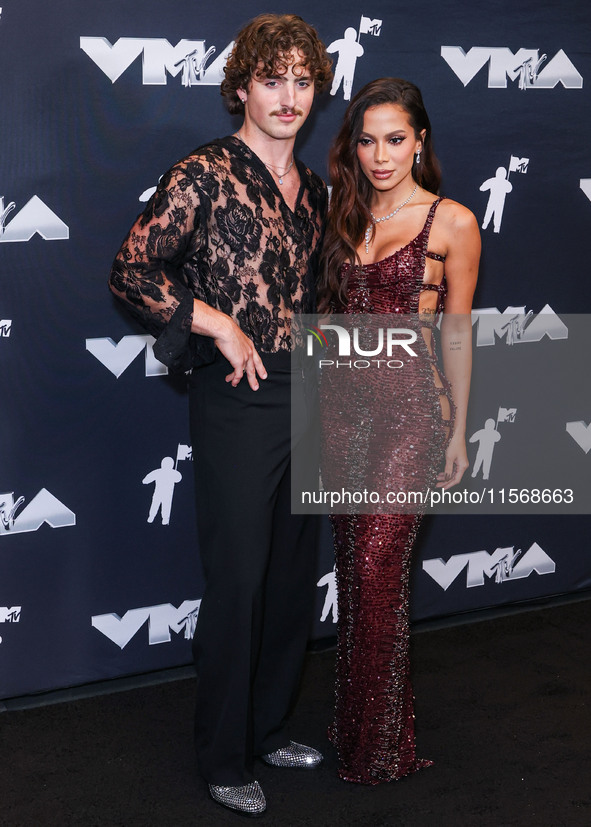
<point>384,343</point>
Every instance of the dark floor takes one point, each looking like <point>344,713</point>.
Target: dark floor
<point>503,708</point>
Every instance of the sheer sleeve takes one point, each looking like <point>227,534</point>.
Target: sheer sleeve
<point>154,274</point>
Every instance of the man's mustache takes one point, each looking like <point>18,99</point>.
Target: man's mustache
<point>288,110</point>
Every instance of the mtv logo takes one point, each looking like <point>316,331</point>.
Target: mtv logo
<point>10,614</point>
<point>369,26</point>
<point>5,326</point>
<point>518,164</point>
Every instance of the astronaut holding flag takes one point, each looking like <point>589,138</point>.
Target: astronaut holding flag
<point>499,187</point>
<point>487,438</point>
<point>349,49</point>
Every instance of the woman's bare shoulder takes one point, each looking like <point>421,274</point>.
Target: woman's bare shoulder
<point>454,217</point>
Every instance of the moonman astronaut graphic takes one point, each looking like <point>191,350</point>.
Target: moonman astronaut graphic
<point>330,601</point>
<point>486,438</point>
<point>165,478</point>
<point>499,188</point>
<point>349,50</point>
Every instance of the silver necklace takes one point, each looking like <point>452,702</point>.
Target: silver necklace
<point>281,176</point>
<point>375,220</point>
<point>271,167</point>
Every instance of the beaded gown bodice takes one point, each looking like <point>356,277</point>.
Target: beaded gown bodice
<point>394,284</point>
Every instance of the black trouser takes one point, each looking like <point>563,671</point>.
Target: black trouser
<point>259,564</point>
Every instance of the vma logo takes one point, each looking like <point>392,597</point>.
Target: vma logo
<point>502,565</point>
<point>516,325</point>
<point>189,59</point>
<point>161,619</point>
<point>117,357</point>
<point>43,508</point>
<point>34,217</point>
<point>5,327</point>
<point>531,70</point>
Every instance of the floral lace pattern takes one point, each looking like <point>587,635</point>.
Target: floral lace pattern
<point>218,229</point>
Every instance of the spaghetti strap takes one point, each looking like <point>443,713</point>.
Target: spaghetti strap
<point>429,221</point>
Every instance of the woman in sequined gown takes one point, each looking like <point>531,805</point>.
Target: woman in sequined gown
<point>392,247</point>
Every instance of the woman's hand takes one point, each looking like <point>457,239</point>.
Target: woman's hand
<point>456,462</point>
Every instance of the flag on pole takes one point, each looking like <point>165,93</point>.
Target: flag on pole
<point>369,26</point>
<point>183,452</point>
<point>506,415</point>
<point>518,164</point>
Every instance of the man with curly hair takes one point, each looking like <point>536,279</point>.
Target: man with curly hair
<point>221,260</point>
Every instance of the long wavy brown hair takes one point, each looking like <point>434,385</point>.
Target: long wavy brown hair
<point>262,49</point>
<point>349,215</point>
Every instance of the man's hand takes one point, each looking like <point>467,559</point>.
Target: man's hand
<point>231,342</point>
<point>242,355</point>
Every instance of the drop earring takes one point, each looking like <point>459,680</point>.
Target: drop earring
<point>418,157</point>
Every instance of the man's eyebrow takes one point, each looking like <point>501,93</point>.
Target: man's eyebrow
<point>306,75</point>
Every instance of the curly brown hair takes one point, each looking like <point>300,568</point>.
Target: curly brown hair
<point>262,49</point>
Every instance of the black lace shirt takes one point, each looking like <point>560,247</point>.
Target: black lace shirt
<point>218,229</point>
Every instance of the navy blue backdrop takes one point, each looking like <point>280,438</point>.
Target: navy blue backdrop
<point>96,102</point>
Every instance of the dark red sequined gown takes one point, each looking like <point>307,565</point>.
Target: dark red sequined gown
<point>373,728</point>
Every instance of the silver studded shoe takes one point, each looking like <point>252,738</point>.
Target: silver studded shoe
<point>248,800</point>
<point>296,756</point>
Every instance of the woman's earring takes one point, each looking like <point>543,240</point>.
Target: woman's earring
<point>418,157</point>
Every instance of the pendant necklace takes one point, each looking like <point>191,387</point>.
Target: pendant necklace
<point>271,167</point>
<point>281,176</point>
<point>375,220</point>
